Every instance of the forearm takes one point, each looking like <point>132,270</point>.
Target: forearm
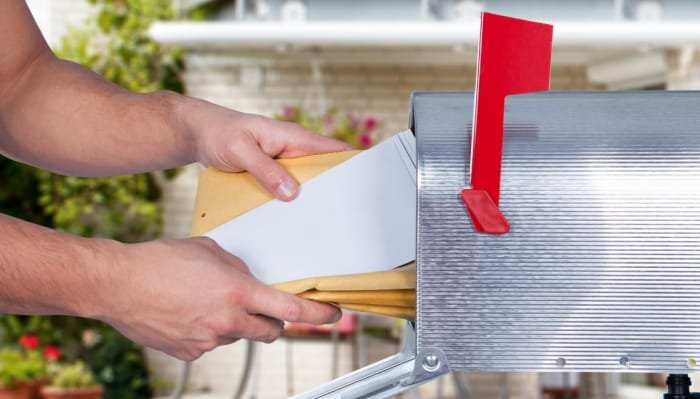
<point>65,118</point>
<point>43,271</point>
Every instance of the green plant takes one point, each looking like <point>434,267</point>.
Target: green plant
<point>17,366</point>
<point>347,126</point>
<point>119,366</point>
<point>115,43</point>
<point>75,375</point>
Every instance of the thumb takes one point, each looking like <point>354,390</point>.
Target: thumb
<point>273,177</point>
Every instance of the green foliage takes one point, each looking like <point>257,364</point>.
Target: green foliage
<point>125,208</point>
<point>19,189</point>
<point>115,361</point>
<point>18,366</point>
<point>206,9</point>
<point>75,375</point>
<point>115,44</point>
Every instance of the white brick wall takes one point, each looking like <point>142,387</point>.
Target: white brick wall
<point>381,91</point>
<point>65,13</point>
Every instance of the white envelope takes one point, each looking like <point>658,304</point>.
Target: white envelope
<point>357,217</point>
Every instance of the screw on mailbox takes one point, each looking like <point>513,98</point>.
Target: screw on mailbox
<point>431,362</point>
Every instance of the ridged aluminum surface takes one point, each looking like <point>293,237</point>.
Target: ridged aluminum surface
<point>601,269</point>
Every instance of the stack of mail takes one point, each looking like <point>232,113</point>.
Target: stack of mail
<point>391,293</point>
<point>355,216</point>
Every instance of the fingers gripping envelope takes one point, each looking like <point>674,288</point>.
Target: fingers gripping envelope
<point>342,240</point>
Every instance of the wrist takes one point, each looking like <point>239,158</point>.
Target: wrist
<point>179,111</point>
<point>104,273</point>
<point>204,121</point>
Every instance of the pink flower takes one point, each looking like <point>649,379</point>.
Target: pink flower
<point>289,113</point>
<point>29,341</point>
<point>354,121</point>
<point>365,140</point>
<point>328,125</point>
<point>52,353</point>
<point>370,124</point>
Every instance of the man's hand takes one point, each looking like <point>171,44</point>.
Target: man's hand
<point>186,297</point>
<point>234,141</point>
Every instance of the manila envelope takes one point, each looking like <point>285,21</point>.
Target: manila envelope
<point>222,196</point>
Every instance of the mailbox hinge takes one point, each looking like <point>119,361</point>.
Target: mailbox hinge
<point>386,378</point>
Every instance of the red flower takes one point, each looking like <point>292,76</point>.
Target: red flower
<point>364,140</point>
<point>52,353</point>
<point>29,341</point>
<point>370,124</point>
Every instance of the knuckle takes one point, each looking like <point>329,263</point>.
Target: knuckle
<point>269,334</point>
<point>236,142</point>
<point>234,328</point>
<point>244,268</point>
<point>227,327</point>
<point>208,345</point>
<point>240,296</point>
<point>238,149</point>
<point>207,242</point>
<point>270,338</point>
<point>189,356</point>
<point>270,172</point>
<point>231,258</point>
<point>292,311</point>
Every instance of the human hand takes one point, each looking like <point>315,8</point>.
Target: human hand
<point>186,297</point>
<point>234,141</point>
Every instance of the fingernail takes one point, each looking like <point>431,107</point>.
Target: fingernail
<point>336,317</point>
<point>287,189</point>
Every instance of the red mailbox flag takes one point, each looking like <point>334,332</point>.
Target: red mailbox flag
<point>514,57</point>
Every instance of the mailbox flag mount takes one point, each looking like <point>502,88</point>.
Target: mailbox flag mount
<point>514,58</point>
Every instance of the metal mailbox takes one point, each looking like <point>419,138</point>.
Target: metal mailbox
<point>601,268</point>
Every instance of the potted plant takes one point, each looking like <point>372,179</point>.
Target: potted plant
<point>20,371</point>
<point>72,381</point>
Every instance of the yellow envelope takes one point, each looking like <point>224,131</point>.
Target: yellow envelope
<point>404,298</point>
<point>391,311</point>
<point>223,196</point>
<point>390,293</point>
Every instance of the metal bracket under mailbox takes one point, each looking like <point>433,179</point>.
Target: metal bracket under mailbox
<point>388,377</point>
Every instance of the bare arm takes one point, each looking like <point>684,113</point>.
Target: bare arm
<point>62,117</point>
<point>32,259</point>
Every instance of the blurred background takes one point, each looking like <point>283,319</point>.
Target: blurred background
<point>342,68</point>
